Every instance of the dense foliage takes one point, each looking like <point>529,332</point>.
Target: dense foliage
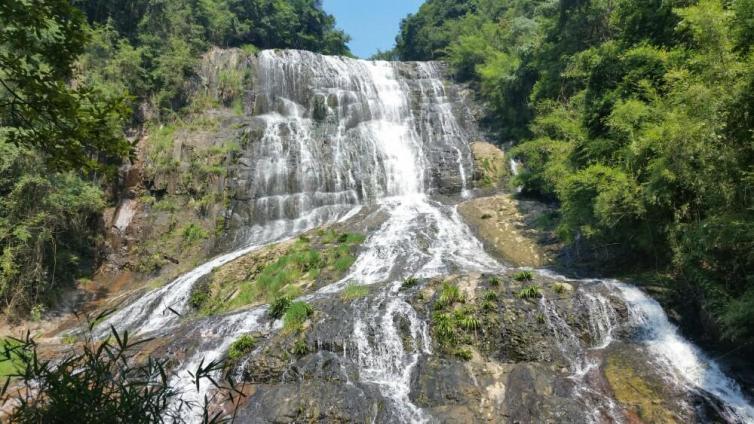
<point>149,48</point>
<point>73,76</point>
<point>635,115</point>
<point>105,381</point>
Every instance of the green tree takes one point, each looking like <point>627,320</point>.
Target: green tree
<point>74,125</point>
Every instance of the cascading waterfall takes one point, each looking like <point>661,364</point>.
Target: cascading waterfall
<point>381,153</point>
<point>382,358</point>
<point>329,135</point>
<point>685,365</point>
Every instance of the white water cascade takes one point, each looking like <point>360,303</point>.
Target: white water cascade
<point>330,136</point>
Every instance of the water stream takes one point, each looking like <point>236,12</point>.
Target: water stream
<point>338,134</point>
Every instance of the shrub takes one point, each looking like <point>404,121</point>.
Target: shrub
<point>242,346</point>
<point>490,296</point>
<point>469,322</point>
<point>529,292</point>
<point>493,281</point>
<point>300,348</point>
<point>198,299</point>
<point>523,276</point>
<point>193,233</point>
<point>444,326</point>
<point>99,380</point>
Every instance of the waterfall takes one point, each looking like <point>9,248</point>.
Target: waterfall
<point>331,135</point>
<point>683,362</point>
<point>382,358</point>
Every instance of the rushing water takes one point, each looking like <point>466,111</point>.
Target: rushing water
<point>329,135</point>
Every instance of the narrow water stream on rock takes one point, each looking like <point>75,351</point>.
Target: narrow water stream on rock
<point>335,134</point>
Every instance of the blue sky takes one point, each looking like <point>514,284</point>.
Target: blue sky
<point>372,25</point>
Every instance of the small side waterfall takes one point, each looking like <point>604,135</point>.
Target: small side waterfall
<point>381,352</point>
<point>684,363</point>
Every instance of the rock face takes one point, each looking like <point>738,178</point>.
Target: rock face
<point>499,223</point>
<point>525,358</point>
<point>490,166</point>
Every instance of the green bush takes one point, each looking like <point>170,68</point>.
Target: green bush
<point>493,281</point>
<point>300,347</point>
<point>449,294</point>
<point>107,377</point>
<point>193,233</point>
<point>490,296</point>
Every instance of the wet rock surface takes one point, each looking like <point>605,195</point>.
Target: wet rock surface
<point>520,368</point>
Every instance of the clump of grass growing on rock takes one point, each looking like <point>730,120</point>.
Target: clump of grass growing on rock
<point>354,291</point>
<point>242,346</point>
<point>493,281</point>
<point>464,354</point>
<point>278,307</point>
<point>529,292</point>
<point>559,288</point>
<point>449,294</point>
<point>300,348</point>
<point>296,314</point>
<point>409,282</point>
<point>490,296</point>
<point>523,276</point>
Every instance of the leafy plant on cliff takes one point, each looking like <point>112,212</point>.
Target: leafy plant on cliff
<point>278,307</point>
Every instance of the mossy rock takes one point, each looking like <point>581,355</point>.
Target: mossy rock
<point>636,392</point>
<point>490,166</point>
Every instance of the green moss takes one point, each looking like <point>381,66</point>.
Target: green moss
<point>636,393</point>
<point>241,347</point>
<point>464,354</point>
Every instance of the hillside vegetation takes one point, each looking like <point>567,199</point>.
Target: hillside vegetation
<point>74,78</point>
<point>636,116</point>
